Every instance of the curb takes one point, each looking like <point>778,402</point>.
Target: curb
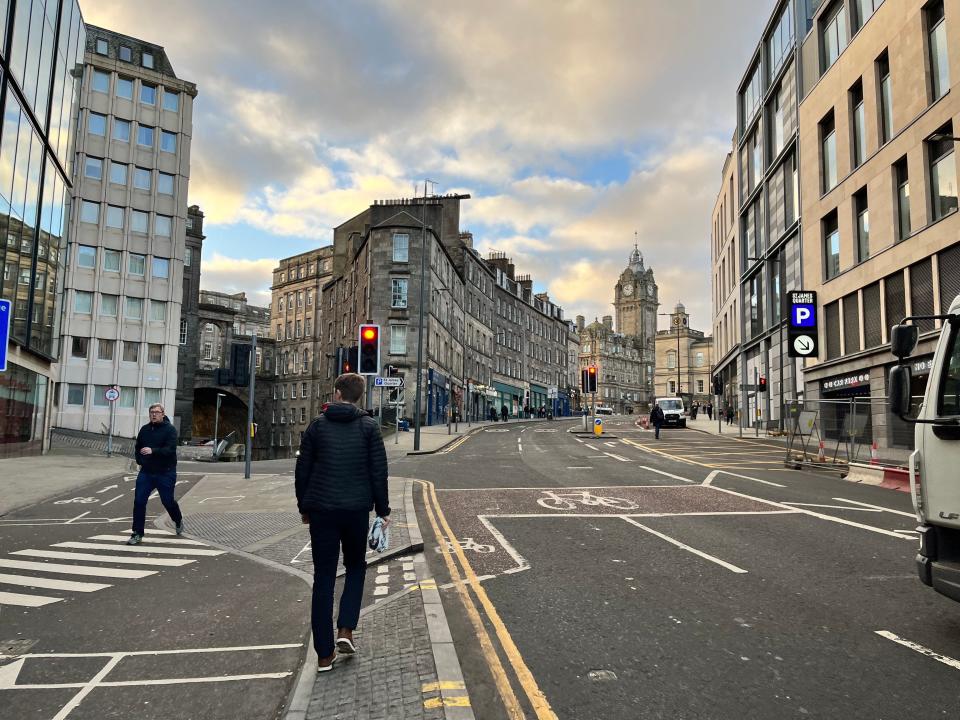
<point>473,431</point>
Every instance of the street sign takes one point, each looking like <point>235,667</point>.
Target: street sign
<point>112,394</point>
<point>6,310</point>
<point>802,331</point>
<point>391,382</point>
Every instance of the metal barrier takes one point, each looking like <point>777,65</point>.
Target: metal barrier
<point>831,434</point>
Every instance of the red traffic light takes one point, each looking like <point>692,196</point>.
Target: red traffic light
<point>369,333</point>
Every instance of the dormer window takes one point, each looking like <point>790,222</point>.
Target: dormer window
<point>126,55</point>
<point>147,60</point>
<point>102,47</point>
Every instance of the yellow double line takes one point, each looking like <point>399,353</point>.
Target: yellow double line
<point>466,582</point>
<point>454,445</point>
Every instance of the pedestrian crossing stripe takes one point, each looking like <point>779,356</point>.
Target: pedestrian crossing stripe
<point>26,600</point>
<point>51,583</point>
<point>93,557</point>
<point>138,549</point>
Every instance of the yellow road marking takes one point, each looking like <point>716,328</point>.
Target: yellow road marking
<point>663,454</point>
<point>455,445</point>
<point>442,685</point>
<point>534,694</point>
<point>438,702</point>
<point>500,679</point>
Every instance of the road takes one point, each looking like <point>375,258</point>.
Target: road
<point>691,577</point>
<point>170,629</point>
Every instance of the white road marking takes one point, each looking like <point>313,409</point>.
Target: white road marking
<point>878,507</point>
<point>56,555</point>
<point>148,539</point>
<point>709,478</point>
<point>108,487</point>
<point>578,487</point>
<point>87,570</point>
<point>111,500</point>
<point>579,467</point>
<point>955,664</point>
<point>699,513</point>
<point>618,457</point>
<point>521,561</point>
<point>747,477</point>
<point>138,653</point>
<point>830,507</point>
<point>138,549</point>
<point>26,600</point>
<point>51,583</point>
<point>296,558</point>
<point>578,440</point>
<point>664,472</point>
<point>684,546</point>
<point>381,590</point>
<point>611,443</point>
<point>81,515</point>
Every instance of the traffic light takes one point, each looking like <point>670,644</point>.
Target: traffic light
<point>240,363</point>
<point>717,386</point>
<point>589,379</point>
<point>346,360</point>
<point>369,344</point>
<point>762,386</point>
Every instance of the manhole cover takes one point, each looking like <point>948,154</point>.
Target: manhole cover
<point>602,675</point>
<point>16,647</point>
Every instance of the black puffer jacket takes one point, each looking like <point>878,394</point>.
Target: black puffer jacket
<point>161,438</point>
<point>342,463</point>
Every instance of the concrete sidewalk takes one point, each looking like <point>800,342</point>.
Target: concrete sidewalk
<point>29,480</point>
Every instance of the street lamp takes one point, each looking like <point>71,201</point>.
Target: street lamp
<point>423,282</point>
<point>216,423</point>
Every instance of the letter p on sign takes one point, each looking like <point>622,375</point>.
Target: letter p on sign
<point>803,316</point>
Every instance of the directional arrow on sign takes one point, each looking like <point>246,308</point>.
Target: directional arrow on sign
<point>803,344</point>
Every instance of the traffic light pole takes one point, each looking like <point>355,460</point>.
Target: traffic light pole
<point>250,396</point>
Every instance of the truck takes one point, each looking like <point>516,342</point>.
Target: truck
<point>934,464</point>
<point>672,411</point>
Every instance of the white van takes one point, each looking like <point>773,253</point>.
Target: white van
<point>934,478</point>
<point>672,411</point>
<point>603,410</point>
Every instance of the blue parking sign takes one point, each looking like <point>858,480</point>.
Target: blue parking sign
<point>803,315</point>
<point>6,310</point>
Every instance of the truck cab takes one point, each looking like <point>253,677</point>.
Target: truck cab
<point>934,463</point>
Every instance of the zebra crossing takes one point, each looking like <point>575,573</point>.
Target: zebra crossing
<point>24,572</point>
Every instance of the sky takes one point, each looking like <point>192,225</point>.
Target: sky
<point>577,126</point>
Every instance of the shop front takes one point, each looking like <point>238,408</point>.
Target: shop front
<point>538,399</point>
<point>845,408</point>
<point>900,433</point>
<point>509,397</point>
<point>23,402</point>
<point>438,397</point>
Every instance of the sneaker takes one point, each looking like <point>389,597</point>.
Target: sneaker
<point>135,539</point>
<point>180,527</point>
<point>345,642</point>
<point>326,664</point>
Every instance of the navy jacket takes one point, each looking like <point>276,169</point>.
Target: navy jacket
<point>162,440</point>
<point>342,463</point>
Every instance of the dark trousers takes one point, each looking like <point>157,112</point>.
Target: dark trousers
<point>164,483</point>
<point>656,427</point>
<point>329,531</point>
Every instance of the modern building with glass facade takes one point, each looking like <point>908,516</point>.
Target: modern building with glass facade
<point>41,63</point>
<point>124,274</point>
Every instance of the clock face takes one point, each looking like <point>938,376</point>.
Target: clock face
<point>628,289</point>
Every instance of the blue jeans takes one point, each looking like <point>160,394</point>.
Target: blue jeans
<point>163,483</point>
<point>329,530</point>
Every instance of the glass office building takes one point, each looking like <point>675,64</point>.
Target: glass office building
<point>41,62</point>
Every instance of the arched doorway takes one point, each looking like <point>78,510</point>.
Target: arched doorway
<point>232,418</point>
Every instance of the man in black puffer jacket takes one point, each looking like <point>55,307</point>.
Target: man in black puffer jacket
<point>156,454</point>
<point>341,475</point>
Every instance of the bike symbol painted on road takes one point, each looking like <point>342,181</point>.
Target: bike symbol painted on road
<point>571,500</point>
<point>77,500</point>
<point>466,544</point>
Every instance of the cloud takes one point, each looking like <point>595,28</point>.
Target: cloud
<point>233,275</point>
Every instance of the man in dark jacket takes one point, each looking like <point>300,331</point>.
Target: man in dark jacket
<point>156,454</point>
<point>341,475</point>
<point>656,419</point>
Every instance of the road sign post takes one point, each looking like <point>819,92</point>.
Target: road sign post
<point>6,310</point>
<point>250,398</point>
<point>111,395</point>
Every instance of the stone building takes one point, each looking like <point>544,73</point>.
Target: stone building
<point>636,299</point>
<point>684,361</point>
<point>189,352</point>
<point>479,281</point>
<point>725,287</point>
<point>224,317</point>
<point>124,281</point>
<point>878,122</point>
<point>621,367</point>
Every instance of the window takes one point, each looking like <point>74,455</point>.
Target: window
<point>164,183</point>
<point>133,308</point>
<point>125,88</point>
<point>161,267</point>
<point>101,81</point>
<point>118,173</point>
<point>106,349</point>
<point>102,47</point>
<point>858,126</point>
<point>207,351</point>
<point>83,302</point>
<point>781,39</point>
<point>114,216</point>
<point>128,397</point>
<point>828,152</point>
<point>125,53</point>
<point>756,160</point>
<point>75,394</point>
<point>886,98</point>
<point>862,212</point>
<point>398,339</point>
<point>673,387</point>
<point>97,124</point>
<point>831,245</point>
<point>158,311</point>
<point>111,260</point>
<point>93,168</point>
<point>671,360</point>
<point>131,351</point>
<point>139,221</point>
<point>145,136</point>
<point>146,59</point>
<point>171,101</point>
<point>401,247</point>
<point>162,226</point>
<point>89,212</point>
<point>751,95</point>
<point>121,130</point>
<point>943,174</point>
<point>939,63</point>
<point>863,9</point>
<point>902,180</point>
<point>148,94</point>
<point>168,141</point>
<point>109,305</point>
<point>188,257</point>
<point>756,308</point>
<point>142,178</point>
<point>154,354</point>
<point>948,399</point>
<point>776,137</point>
<point>79,347</point>
<point>700,386</point>
<point>151,396</point>
<point>136,264</point>
<point>399,293</point>
<point>833,35</point>
<point>183,331</point>
<point>86,256</point>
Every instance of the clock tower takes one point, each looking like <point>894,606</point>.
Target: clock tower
<point>636,301</point>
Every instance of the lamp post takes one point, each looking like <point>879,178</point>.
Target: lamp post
<point>216,423</point>
<point>420,330</point>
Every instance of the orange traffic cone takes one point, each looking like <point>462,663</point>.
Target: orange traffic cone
<point>874,455</point>
<point>821,456</point>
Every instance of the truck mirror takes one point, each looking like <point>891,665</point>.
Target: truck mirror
<point>898,389</point>
<point>903,339</point>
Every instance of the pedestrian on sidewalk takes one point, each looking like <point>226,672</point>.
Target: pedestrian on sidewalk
<point>710,410</point>
<point>341,475</point>
<point>156,454</point>
<point>656,419</point>
<point>503,413</point>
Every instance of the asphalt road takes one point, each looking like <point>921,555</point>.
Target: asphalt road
<point>170,629</point>
<point>691,577</point>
